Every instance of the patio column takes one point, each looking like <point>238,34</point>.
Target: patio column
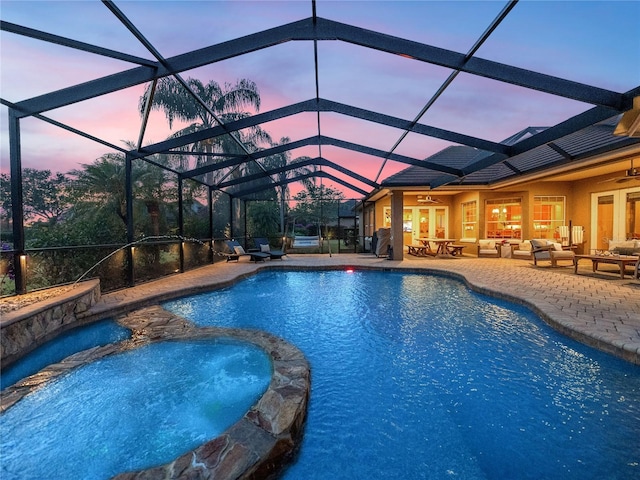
<point>397,240</point>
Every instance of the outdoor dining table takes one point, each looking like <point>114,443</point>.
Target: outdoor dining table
<point>441,244</point>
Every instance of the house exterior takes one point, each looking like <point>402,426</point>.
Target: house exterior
<point>586,179</point>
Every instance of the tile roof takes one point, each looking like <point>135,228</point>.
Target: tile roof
<point>586,142</point>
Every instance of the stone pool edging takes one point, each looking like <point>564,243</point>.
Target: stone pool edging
<point>258,446</point>
<point>25,329</point>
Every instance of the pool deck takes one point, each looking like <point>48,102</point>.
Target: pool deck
<point>599,309</point>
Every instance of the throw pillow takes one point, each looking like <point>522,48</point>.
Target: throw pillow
<point>265,248</point>
<point>239,250</point>
<point>557,246</point>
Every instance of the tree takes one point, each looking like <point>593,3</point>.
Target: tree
<point>227,103</point>
<point>315,204</point>
<point>101,187</point>
<point>45,196</point>
<point>102,184</point>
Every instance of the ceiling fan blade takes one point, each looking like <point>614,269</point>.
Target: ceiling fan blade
<point>614,179</point>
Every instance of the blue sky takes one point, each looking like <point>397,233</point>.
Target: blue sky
<point>593,42</point>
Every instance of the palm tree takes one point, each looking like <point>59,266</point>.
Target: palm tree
<point>227,102</point>
<point>101,184</point>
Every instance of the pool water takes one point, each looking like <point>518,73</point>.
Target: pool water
<point>72,341</point>
<point>415,376</point>
<point>132,410</point>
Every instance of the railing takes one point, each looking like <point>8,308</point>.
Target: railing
<point>111,263</point>
<point>119,266</point>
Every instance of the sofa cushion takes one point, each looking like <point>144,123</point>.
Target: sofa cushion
<point>487,244</point>
<point>562,254</point>
<point>613,244</point>
<point>525,246</point>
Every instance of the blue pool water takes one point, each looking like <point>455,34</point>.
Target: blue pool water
<point>414,376</point>
<point>70,342</point>
<point>131,411</point>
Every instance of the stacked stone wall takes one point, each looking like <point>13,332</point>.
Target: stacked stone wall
<point>25,329</point>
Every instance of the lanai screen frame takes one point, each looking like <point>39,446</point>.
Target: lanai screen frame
<point>606,103</point>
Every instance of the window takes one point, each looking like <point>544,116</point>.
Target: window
<point>504,218</point>
<point>387,217</point>
<point>632,216</point>
<point>470,220</point>
<point>548,216</point>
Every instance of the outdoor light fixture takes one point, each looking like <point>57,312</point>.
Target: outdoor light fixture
<point>22,260</point>
<point>23,263</point>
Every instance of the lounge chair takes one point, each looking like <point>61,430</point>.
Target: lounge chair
<point>235,251</point>
<point>262,245</point>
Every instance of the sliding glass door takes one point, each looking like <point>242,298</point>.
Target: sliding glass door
<point>615,215</point>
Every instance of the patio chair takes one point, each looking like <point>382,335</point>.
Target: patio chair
<point>235,251</point>
<point>262,244</point>
<point>488,248</point>
<point>542,250</point>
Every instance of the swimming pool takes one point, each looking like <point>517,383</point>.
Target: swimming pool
<point>415,376</point>
<point>66,344</point>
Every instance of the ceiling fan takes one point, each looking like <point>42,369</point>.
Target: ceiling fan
<point>428,199</point>
<point>630,174</point>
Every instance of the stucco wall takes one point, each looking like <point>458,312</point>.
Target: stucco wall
<point>577,193</point>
